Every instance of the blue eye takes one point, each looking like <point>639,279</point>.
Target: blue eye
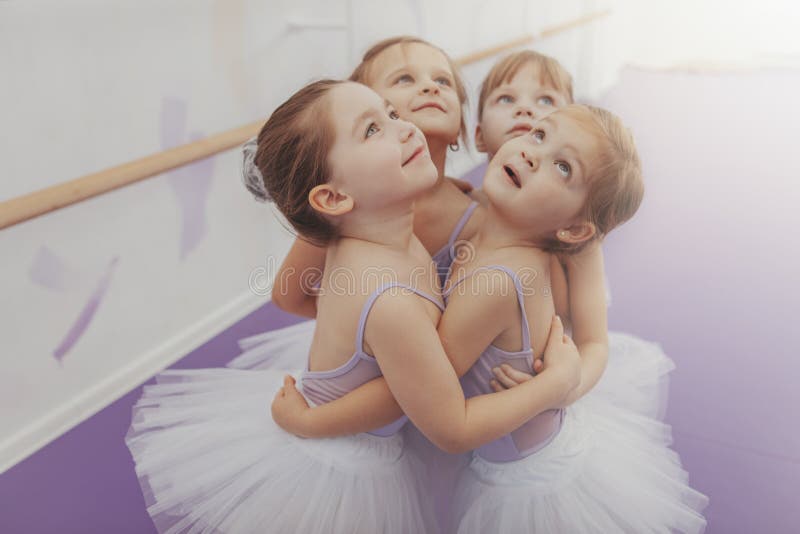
<point>443,81</point>
<point>538,135</point>
<point>505,99</point>
<point>545,101</point>
<point>372,129</point>
<point>404,78</point>
<point>563,168</point>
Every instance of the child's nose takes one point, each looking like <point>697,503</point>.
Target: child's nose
<point>407,131</point>
<point>530,159</point>
<point>430,88</point>
<point>524,110</point>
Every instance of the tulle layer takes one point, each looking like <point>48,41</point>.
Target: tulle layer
<point>609,470</point>
<point>284,348</point>
<point>210,459</point>
<point>637,376</point>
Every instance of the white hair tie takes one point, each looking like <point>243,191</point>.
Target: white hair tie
<point>252,177</point>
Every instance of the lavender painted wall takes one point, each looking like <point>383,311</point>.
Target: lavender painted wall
<point>708,268</point>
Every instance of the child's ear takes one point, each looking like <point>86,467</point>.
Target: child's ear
<point>480,145</point>
<point>327,200</point>
<point>577,233</point>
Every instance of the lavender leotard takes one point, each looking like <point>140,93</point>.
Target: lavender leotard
<point>445,256</point>
<point>324,386</point>
<point>539,431</point>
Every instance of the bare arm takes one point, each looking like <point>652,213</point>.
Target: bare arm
<point>299,272</point>
<point>426,387</point>
<point>559,289</point>
<point>587,302</point>
<point>464,333</point>
<point>368,407</point>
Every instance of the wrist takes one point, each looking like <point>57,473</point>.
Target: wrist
<point>565,384</point>
<point>306,424</point>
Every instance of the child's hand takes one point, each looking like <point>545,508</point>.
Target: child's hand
<point>506,377</point>
<point>290,407</point>
<point>561,356</point>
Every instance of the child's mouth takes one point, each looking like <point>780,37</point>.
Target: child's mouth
<point>520,129</point>
<point>414,154</point>
<point>430,105</point>
<point>512,174</point>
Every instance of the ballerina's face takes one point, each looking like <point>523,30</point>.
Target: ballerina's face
<point>417,80</point>
<point>377,158</point>
<point>511,109</point>
<point>540,180</point>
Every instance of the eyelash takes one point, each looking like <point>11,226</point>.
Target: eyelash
<point>558,164</point>
<point>442,80</point>
<point>392,115</point>
<point>511,100</point>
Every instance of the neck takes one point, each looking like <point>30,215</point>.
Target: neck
<point>390,227</point>
<point>498,233</point>
<point>438,151</point>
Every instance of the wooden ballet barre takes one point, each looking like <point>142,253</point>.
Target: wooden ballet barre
<point>52,198</point>
<point>73,191</point>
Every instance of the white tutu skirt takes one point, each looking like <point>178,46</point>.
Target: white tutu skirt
<point>627,481</point>
<point>442,471</point>
<point>285,348</point>
<point>210,459</point>
<point>608,470</point>
<point>636,377</point>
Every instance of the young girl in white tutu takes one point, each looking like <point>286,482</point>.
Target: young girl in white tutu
<point>519,88</point>
<point>591,464</point>
<point>425,88</point>
<point>345,171</point>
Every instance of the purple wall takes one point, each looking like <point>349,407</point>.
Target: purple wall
<point>708,268</point>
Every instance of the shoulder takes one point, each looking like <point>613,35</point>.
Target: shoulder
<point>396,312</point>
<point>486,292</point>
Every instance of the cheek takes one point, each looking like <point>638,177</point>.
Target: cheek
<point>399,97</point>
<point>494,122</point>
<point>451,96</point>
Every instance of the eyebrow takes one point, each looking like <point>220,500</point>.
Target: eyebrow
<point>503,87</point>
<point>370,112</point>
